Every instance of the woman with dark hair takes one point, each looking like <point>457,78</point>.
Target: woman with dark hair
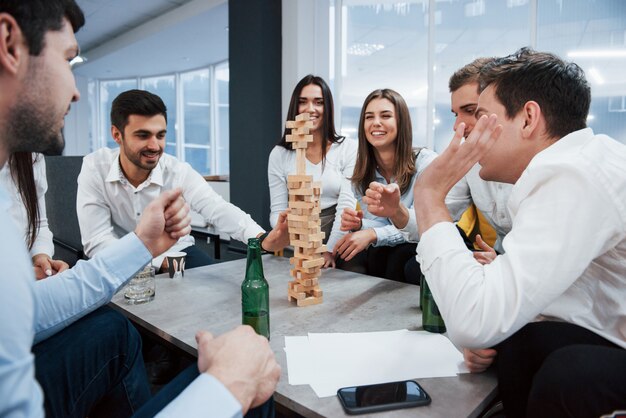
<point>385,155</point>
<point>330,159</point>
<point>24,177</point>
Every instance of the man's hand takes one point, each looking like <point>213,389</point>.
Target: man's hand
<point>45,266</point>
<point>243,361</point>
<point>278,238</point>
<point>164,221</point>
<point>384,201</point>
<point>329,260</point>
<point>353,243</point>
<point>432,186</point>
<point>487,255</point>
<point>479,360</point>
<point>351,220</point>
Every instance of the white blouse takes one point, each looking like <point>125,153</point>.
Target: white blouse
<point>335,177</point>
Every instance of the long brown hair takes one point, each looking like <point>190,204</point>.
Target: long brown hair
<point>329,134</point>
<point>404,168</point>
<point>21,167</point>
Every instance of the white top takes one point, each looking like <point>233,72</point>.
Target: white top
<point>43,242</point>
<point>335,178</point>
<point>108,206</point>
<point>565,256</point>
<point>490,198</point>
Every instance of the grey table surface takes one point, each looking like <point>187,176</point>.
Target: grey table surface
<point>210,298</point>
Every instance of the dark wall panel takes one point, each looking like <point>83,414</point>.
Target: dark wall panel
<point>255,100</point>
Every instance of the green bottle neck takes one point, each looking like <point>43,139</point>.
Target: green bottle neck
<point>254,265</point>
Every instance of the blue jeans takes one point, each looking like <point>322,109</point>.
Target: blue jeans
<point>93,368</point>
<point>178,384</point>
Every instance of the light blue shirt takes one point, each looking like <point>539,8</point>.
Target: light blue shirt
<point>31,311</point>
<point>386,233</point>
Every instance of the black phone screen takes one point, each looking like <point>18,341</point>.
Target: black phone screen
<point>383,396</point>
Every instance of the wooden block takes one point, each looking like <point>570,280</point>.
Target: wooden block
<point>304,231</point>
<point>290,124</point>
<point>299,145</point>
<point>312,237</point>
<point>303,116</point>
<point>310,282</point>
<point>310,301</point>
<point>304,191</point>
<point>302,218</point>
<point>301,177</point>
<point>318,293</point>
<point>301,130</point>
<point>295,138</point>
<point>313,263</point>
<point>302,205</point>
<point>306,244</point>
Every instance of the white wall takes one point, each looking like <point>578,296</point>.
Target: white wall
<point>77,123</point>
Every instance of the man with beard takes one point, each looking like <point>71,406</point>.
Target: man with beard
<point>114,186</point>
<point>54,334</point>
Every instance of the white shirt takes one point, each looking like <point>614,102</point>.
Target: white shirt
<point>335,178</point>
<point>565,255</point>
<point>43,241</point>
<point>108,206</point>
<point>490,198</point>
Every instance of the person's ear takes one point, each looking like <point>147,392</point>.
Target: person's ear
<point>533,117</point>
<point>12,46</point>
<point>116,134</point>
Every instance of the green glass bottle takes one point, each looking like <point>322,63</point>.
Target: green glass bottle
<point>431,318</point>
<point>255,297</point>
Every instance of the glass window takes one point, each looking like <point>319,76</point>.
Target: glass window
<point>222,77</point>
<point>465,31</point>
<point>109,90</point>
<point>165,88</point>
<point>196,134</point>
<point>593,35</point>
<point>385,46</point>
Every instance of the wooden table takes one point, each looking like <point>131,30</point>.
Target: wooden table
<point>210,298</point>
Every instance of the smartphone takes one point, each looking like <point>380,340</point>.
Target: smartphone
<point>382,397</point>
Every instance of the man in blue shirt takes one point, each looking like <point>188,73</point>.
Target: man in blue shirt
<point>88,360</point>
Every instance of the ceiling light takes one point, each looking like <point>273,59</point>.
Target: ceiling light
<point>78,59</point>
<point>364,49</point>
<point>598,53</point>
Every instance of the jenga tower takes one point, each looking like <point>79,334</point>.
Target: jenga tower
<point>305,233</point>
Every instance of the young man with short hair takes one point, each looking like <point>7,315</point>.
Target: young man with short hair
<point>114,186</point>
<point>554,305</point>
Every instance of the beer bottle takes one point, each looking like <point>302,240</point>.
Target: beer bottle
<point>431,318</point>
<point>255,299</point>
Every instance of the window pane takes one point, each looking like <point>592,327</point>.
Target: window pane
<point>197,111</point>
<point>465,31</point>
<point>199,158</point>
<point>165,88</point>
<point>109,90</point>
<point>385,47</point>
<point>222,77</point>
<point>593,35</point>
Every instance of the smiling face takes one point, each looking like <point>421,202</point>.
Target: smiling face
<point>463,103</point>
<point>311,100</point>
<point>48,88</point>
<point>141,144</point>
<point>380,124</point>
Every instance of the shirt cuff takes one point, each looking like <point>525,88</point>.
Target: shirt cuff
<point>205,393</point>
<point>439,239</point>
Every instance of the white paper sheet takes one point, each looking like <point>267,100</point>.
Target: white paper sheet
<point>332,361</point>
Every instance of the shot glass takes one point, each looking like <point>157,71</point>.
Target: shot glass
<point>142,287</point>
<point>176,264</point>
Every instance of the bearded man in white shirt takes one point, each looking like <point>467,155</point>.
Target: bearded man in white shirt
<point>114,186</point>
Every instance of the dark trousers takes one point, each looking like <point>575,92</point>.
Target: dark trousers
<point>196,257</point>
<point>93,368</point>
<point>386,262</point>
<point>556,369</point>
<point>178,384</point>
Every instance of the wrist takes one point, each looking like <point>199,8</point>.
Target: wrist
<point>401,218</point>
<point>240,389</point>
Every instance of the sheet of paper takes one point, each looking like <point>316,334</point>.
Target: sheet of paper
<point>298,360</point>
<point>348,359</point>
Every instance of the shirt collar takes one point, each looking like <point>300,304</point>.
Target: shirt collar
<point>116,174</point>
